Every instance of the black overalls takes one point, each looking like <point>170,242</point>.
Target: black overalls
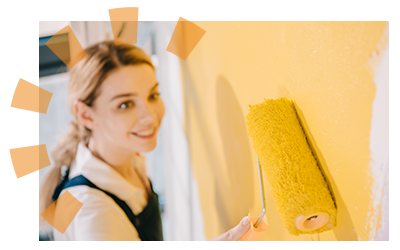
<point>147,223</point>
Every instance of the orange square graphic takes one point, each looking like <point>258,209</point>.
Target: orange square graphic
<point>27,160</point>
<point>62,211</point>
<point>30,97</point>
<point>185,38</point>
<point>124,14</point>
<point>124,24</point>
<point>127,32</point>
<point>66,46</point>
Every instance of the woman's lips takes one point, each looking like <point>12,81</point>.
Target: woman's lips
<point>146,134</point>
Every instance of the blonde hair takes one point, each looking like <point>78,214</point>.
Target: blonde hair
<point>84,83</point>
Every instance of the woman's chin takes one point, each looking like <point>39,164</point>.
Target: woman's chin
<point>147,147</point>
<point>147,150</point>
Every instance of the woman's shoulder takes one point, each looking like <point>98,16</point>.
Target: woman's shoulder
<point>99,218</point>
<point>89,196</point>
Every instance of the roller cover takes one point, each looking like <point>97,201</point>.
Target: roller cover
<point>298,187</point>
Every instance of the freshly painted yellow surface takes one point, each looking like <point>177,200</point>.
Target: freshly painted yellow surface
<point>324,68</point>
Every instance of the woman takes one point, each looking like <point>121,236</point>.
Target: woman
<point>117,112</point>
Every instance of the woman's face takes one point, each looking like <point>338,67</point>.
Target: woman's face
<point>129,110</point>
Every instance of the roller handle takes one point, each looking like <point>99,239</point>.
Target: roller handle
<point>254,232</point>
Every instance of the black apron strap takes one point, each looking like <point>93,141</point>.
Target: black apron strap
<point>147,223</point>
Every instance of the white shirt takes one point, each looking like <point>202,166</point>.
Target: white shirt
<point>100,218</point>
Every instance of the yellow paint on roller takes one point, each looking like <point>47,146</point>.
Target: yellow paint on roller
<point>298,187</point>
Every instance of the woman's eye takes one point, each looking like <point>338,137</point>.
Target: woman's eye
<point>154,96</point>
<point>126,105</point>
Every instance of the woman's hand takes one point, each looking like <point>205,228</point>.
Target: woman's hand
<point>237,232</point>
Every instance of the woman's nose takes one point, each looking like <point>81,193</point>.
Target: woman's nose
<point>147,115</point>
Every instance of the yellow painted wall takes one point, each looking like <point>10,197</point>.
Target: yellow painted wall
<point>322,66</point>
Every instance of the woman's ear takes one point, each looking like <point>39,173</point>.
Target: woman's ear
<point>84,113</point>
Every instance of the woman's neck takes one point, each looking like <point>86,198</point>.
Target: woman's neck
<point>119,159</point>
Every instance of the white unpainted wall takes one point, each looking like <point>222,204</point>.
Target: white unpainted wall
<point>379,146</point>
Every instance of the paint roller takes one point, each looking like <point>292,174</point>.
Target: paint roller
<point>298,187</point>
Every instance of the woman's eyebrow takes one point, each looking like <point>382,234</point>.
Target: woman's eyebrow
<point>132,94</point>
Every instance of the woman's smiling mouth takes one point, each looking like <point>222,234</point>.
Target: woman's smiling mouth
<point>145,134</point>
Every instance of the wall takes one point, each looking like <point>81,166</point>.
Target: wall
<point>325,67</point>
